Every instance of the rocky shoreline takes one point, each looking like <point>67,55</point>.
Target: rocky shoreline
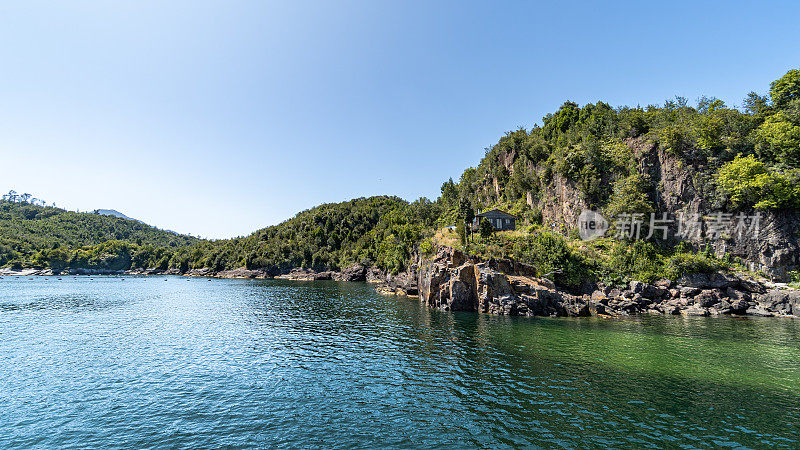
<point>453,281</point>
<point>353,273</point>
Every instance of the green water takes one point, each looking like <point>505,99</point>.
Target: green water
<point>145,362</point>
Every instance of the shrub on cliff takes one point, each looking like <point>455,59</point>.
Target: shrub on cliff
<point>552,257</point>
<point>779,138</point>
<point>638,260</point>
<point>747,182</point>
<point>629,196</point>
<point>681,264</point>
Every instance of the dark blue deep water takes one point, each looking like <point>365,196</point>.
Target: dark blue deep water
<point>148,362</point>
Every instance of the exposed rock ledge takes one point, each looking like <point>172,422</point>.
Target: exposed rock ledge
<point>451,281</point>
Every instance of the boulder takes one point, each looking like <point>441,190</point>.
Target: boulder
<point>780,301</point>
<point>547,283</point>
<point>491,285</point>
<point>241,272</point>
<point>599,297</point>
<point>736,294</point>
<point>739,306</point>
<point>759,311</point>
<point>636,287</point>
<point>663,283</point>
<point>688,291</point>
<point>707,280</point>
<point>695,311</point>
<point>707,297</point>
<point>356,272</point>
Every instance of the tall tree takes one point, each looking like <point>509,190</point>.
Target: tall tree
<point>785,89</point>
<point>466,214</point>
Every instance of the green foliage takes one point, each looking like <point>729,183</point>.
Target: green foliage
<point>794,279</point>
<point>44,236</point>
<point>785,89</point>
<point>426,247</point>
<point>674,139</point>
<point>461,231</point>
<point>638,260</point>
<point>465,212</point>
<point>711,125</point>
<point>747,182</point>
<point>486,228</point>
<point>618,262</point>
<point>629,196</point>
<point>376,230</point>
<point>756,104</point>
<point>550,254</point>
<point>681,264</point>
<point>633,122</point>
<point>780,139</point>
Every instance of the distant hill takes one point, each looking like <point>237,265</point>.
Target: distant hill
<point>113,212</point>
<point>42,236</point>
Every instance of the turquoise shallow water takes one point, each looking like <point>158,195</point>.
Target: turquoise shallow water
<point>149,362</point>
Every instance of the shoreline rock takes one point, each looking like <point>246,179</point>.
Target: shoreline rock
<point>452,281</point>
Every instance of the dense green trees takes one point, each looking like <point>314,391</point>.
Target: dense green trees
<point>378,230</point>
<point>38,236</point>
<point>595,147</point>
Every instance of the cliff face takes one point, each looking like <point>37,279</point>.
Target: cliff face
<point>451,281</point>
<point>678,187</point>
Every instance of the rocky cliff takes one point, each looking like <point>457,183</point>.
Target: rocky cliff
<point>677,186</point>
<point>452,281</point>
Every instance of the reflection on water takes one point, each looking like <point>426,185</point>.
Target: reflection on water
<point>143,362</point>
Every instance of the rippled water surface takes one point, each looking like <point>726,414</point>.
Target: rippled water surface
<point>142,362</point>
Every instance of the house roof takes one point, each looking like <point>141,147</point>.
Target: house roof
<point>496,213</point>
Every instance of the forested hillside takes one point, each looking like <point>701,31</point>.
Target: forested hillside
<point>43,236</point>
<point>378,231</point>
<point>673,158</point>
<point>750,157</point>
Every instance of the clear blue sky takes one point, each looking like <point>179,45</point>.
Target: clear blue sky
<point>219,118</point>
